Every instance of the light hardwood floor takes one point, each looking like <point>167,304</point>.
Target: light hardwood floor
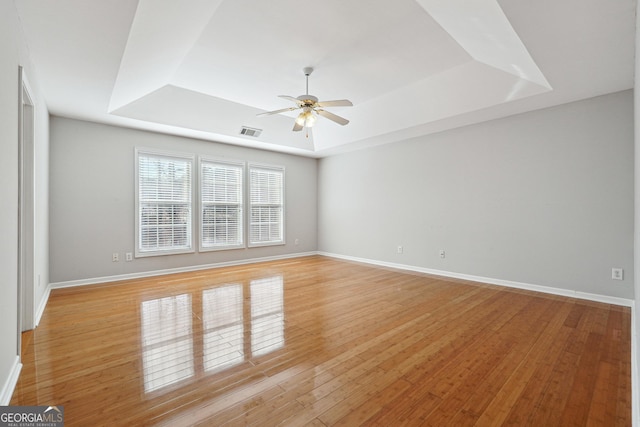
<point>321,342</point>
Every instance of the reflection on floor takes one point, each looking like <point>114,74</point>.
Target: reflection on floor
<point>167,335</point>
<point>167,341</point>
<point>223,327</point>
<point>320,342</point>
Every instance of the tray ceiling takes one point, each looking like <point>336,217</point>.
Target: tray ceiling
<point>205,68</point>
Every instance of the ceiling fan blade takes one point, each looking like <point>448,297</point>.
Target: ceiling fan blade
<point>336,103</point>
<point>291,98</point>
<point>297,127</point>
<point>339,120</point>
<point>284,110</point>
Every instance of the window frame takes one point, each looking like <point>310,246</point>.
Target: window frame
<point>190,158</point>
<point>281,169</point>
<point>242,204</point>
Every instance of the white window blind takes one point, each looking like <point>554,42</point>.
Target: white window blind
<point>266,204</point>
<point>163,204</point>
<point>221,215</point>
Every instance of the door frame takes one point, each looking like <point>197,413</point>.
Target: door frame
<point>26,207</point>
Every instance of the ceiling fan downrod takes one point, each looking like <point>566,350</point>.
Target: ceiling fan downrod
<point>307,72</point>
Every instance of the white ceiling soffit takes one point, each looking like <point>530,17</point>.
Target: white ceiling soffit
<point>175,69</point>
<point>161,34</point>
<point>206,68</point>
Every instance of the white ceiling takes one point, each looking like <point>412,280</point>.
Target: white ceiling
<point>205,68</point>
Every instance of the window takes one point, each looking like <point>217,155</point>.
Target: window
<point>266,205</point>
<point>163,204</point>
<point>221,213</point>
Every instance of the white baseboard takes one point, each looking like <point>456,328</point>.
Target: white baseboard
<point>507,283</point>
<point>106,279</point>
<point>10,384</point>
<point>500,282</point>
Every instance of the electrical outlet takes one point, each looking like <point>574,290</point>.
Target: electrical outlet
<point>128,256</point>
<point>296,242</point>
<point>115,257</point>
<point>617,274</point>
<point>400,249</point>
<point>442,254</point>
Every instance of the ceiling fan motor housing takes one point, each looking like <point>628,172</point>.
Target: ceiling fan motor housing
<point>308,99</point>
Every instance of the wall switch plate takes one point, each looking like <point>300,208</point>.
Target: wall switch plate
<point>115,257</point>
<point>617,274</point>
<point>128,256</point>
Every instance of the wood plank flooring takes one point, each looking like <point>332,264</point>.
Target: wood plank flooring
<point>321,342</point>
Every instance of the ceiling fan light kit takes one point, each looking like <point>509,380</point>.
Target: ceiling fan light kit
<point>311,107</point>
<point>306,118</point>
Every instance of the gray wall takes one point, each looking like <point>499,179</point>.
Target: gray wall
<point>543,198</point>
<point>93,203</point>
<point>13,53</point>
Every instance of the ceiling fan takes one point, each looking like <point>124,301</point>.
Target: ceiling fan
<point>311,108</point>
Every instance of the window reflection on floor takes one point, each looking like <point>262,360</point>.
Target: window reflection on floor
<point>168,354</point>
<point>267,315</point>
<point>167,342</point>
<point>223,329</point>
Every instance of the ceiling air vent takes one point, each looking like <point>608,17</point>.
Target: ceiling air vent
<point>250,132</point>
